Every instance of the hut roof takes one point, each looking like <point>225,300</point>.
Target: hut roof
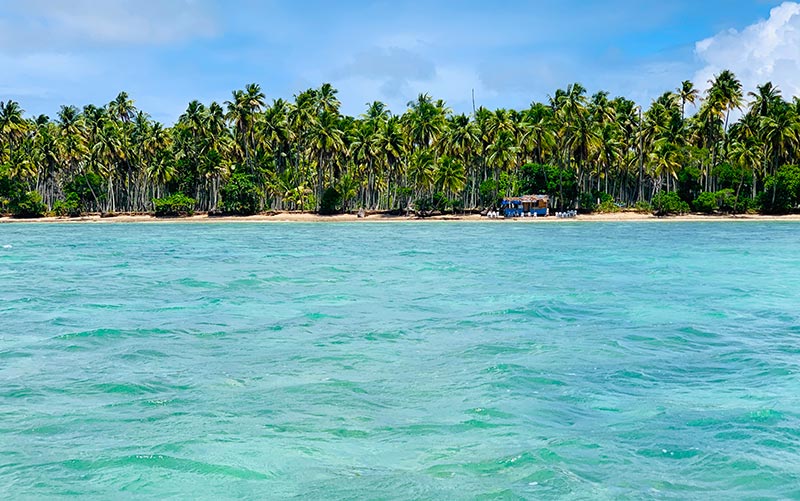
<point>527,198</point>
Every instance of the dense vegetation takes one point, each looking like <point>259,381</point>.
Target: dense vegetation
<point>245,156</point>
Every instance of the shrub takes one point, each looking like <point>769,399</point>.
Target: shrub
<point>423,206</point>
<point>558,182</point>
<point>404,196</point>
<point>27,205</point>
<point>69,207</point>
<point>666,203</point>
<point>706,202</point>
<point>330,202</point>
<point>592,201</point>
<point>748,205</point>
<point>782,190</point>
<point>174,205</point>
<point>722,200</point>
<point>87,187</point>
<point>240,195</point>
<point>439,201</point>
<point>488,193</point>
<point>608,206</point>
<point>587,202</point>
<point>643,207</point>
<point>727,201</point>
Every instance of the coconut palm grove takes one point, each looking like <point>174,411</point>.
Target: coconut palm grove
<point>727,149</point>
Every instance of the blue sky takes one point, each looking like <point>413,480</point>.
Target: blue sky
<point>165,53</point>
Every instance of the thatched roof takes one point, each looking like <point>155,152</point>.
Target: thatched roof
<point>527,198</point>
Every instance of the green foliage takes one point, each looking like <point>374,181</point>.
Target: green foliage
<point>87,187</point>
<point>7,190</point>
<point>643,207</point>
<point>587,202</point>
<point>730,175</point>
<point>330,202</point>
<point>27,205</point>
<point>595,199</point>
<point>668,203</point>
<point>438,202</point>
<point>608,206</point>
<point>727,201</point>
<point>782,190</point>
<point>488,193</point>
<point>404,196</point>
<point>559,183</point>
<point>508,184</point>
<point>706,202</point>
<point>69,207</point>
<point>746,205</point>
<point>174,205</point>
<point>689,182</point>
<point>534,179</point>
<point>114,157</point>
<point>240,195</point>
<point>348,187</point>
<point>423,206</point>
<point>724,201</point>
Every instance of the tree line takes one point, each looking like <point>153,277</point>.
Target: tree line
<point>735,152</point>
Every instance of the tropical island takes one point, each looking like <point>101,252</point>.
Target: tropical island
<point>736,154</point>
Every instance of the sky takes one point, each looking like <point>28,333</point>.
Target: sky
<point>165,53</point>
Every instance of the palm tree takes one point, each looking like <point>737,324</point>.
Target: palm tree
<point>502,152</point>
<point>747,156</point>
<point>348,189</point>
<point>687,93</point>
<point>295,149</point>
<point>781,135</point>
<point>538,136</point>
<point>376,114</point>
<point>73,146</point>
<point>764,100</point>
<point>122,107</point>
<point>460,141</point>
<point>108,152</point>
<point>160,167</point>
<point>12,126</point>
<point>326,140</point>
<point>425,121</point>
<point>450,176</point>
<point>421,170</point>
<point>726,92</point>
<point>726,95</point>
<point>391,147</point>
<point>242,110</point>
<point>327,102</point>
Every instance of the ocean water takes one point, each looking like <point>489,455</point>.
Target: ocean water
<point>400,361</point>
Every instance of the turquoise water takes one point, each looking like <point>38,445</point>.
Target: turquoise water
<point>400,361</point>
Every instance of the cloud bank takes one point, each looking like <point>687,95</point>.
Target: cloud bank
<point>768,50</point>
<point>58,24</point>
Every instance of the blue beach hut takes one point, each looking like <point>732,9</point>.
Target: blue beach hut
<point>526,206</point>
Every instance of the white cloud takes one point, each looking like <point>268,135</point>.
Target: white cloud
<point>454,84</point>
<point>393,66</point>
<point>75,51</point>
<point>397,75</point>
<point>58,23</point>
<point>768,50</point>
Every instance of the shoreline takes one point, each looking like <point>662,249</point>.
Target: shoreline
<point>297,217</point>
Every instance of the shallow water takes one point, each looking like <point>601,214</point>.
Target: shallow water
<point>400,361</point>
